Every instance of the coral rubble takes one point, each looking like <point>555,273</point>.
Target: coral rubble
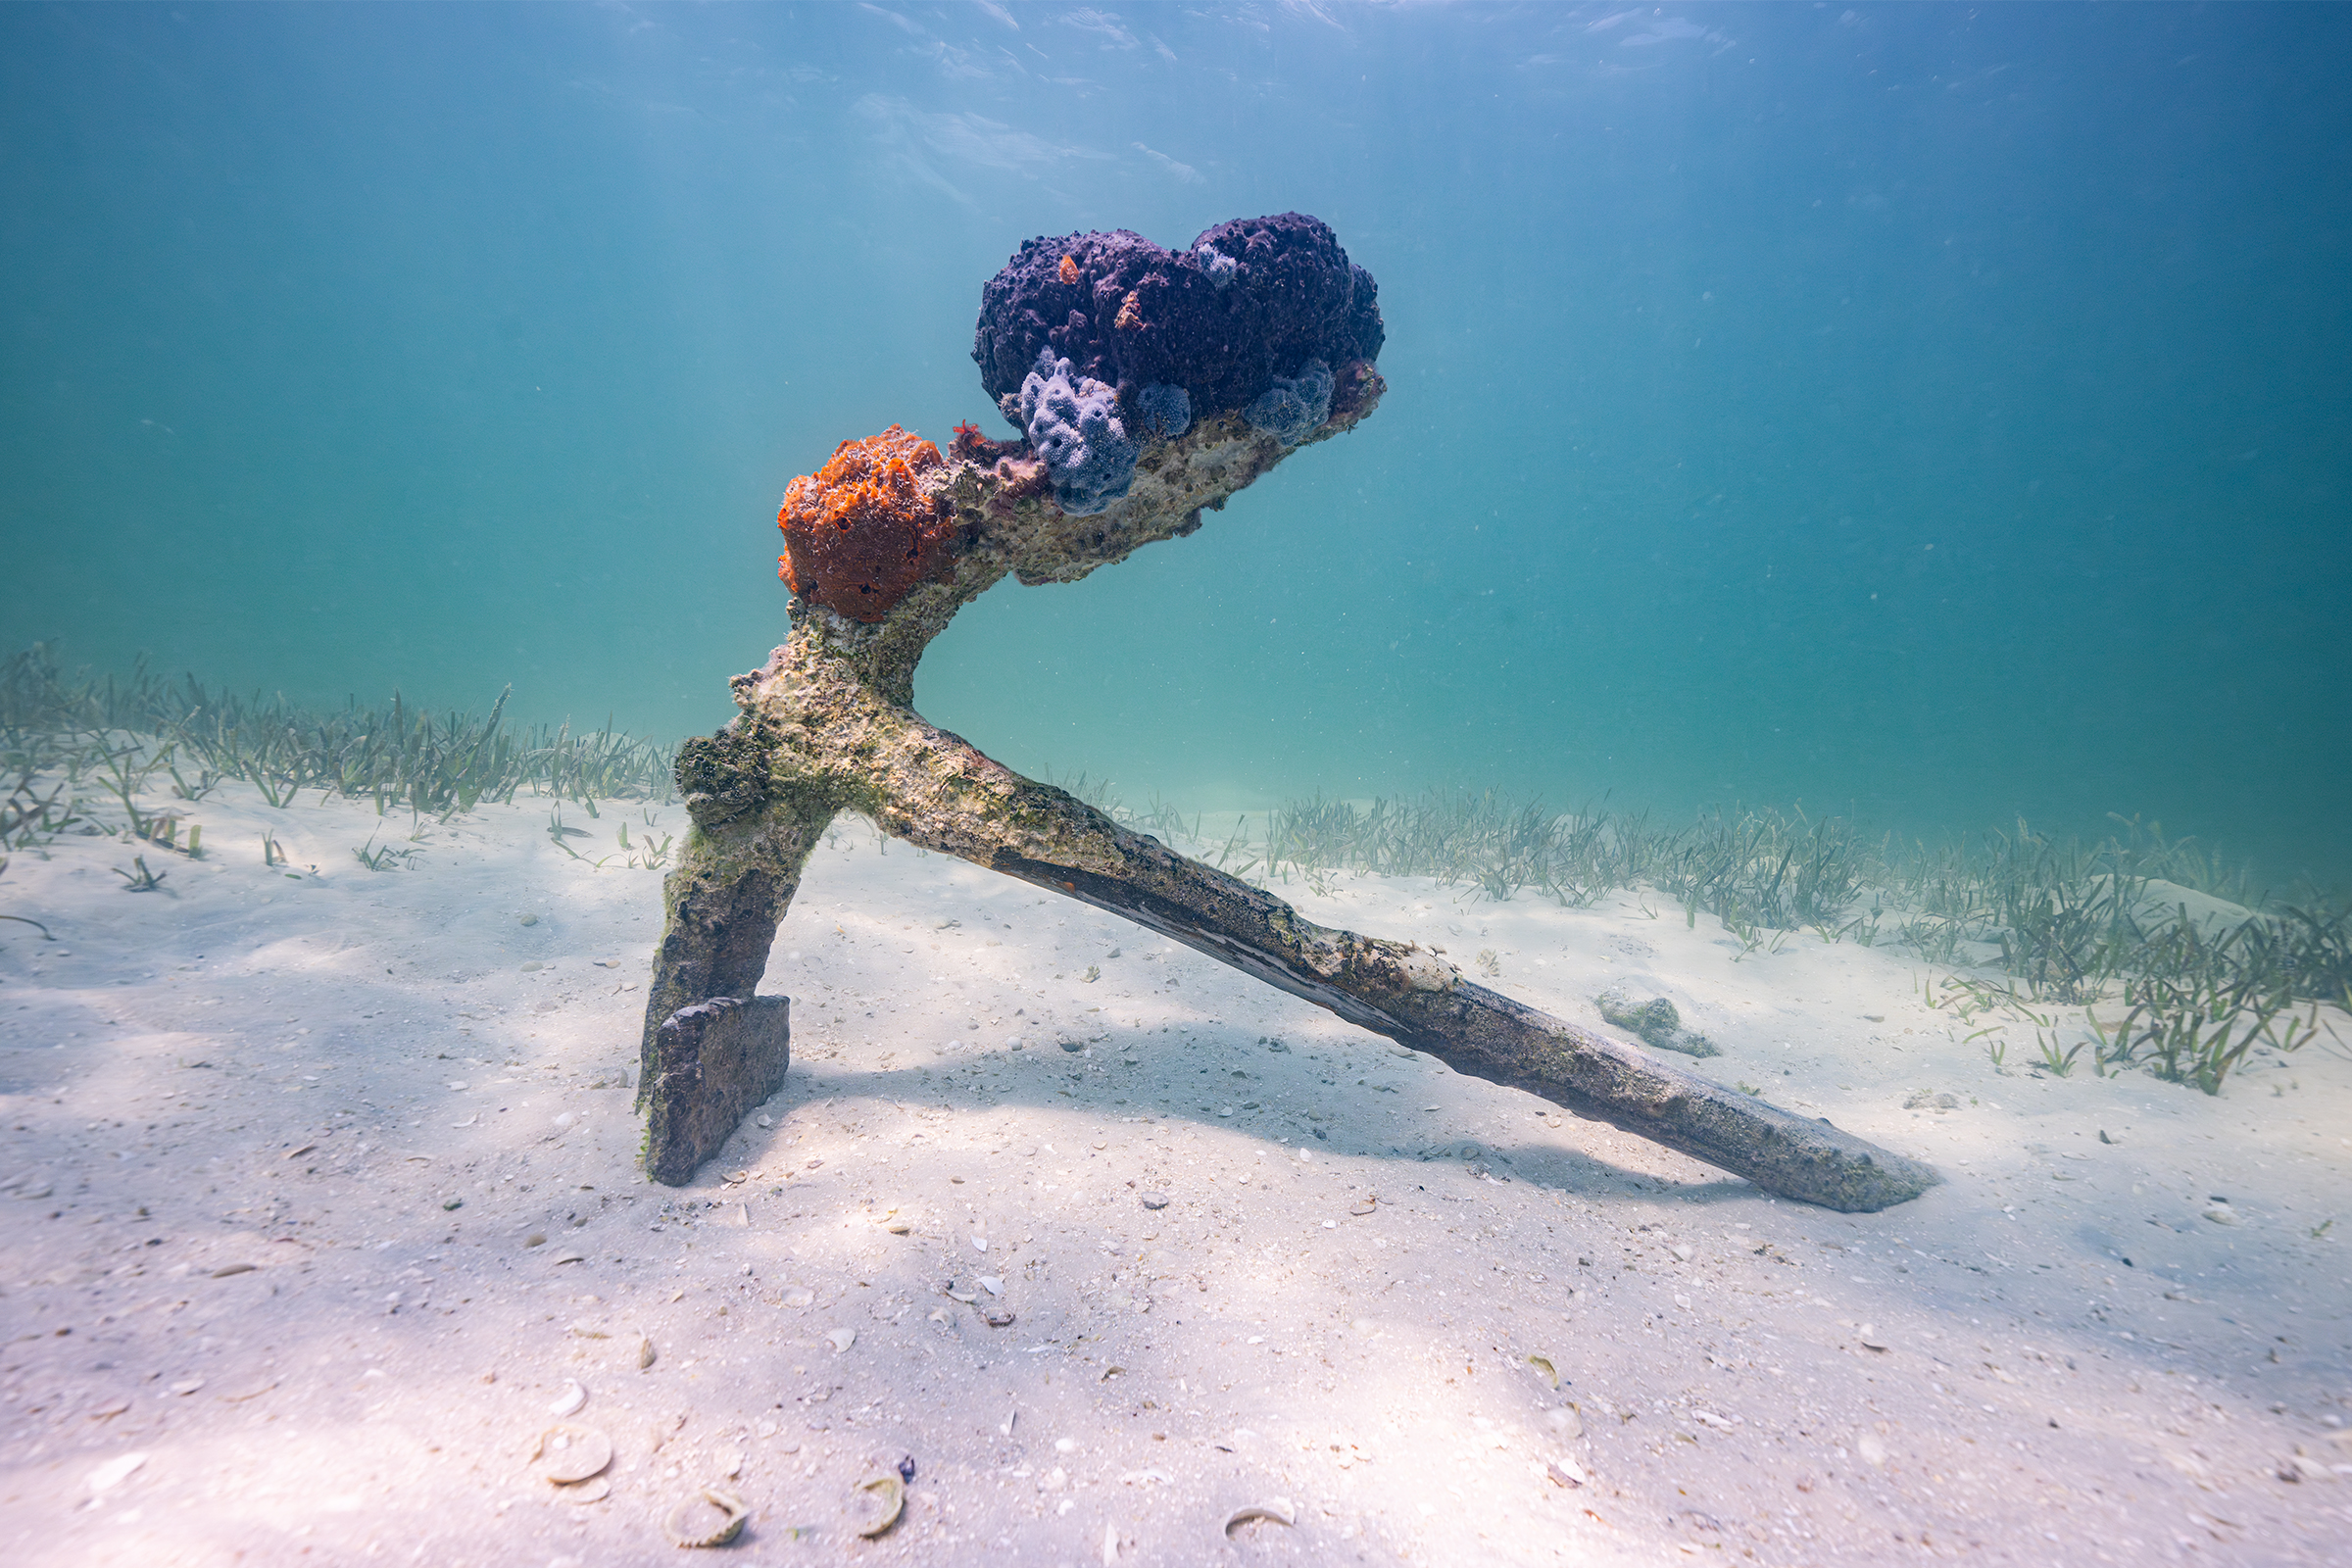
<point>1657,1021</point>
<point>862,531</point>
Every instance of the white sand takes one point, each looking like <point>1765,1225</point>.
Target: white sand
<point>295,1076</point>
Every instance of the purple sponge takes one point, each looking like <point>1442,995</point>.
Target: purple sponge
<point>1247,301</point>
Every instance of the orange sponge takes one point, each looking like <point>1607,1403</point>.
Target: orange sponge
<point>861,531</point>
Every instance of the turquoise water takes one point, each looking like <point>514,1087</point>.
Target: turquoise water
<point>1930,414</point>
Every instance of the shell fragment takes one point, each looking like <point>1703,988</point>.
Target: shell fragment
<point>711,1517</point>
<point>1278,1510</point>
<point>567,1453</point>
<point>890,1500</point>
<point>112,1474</point>
<point>1281,1510</point>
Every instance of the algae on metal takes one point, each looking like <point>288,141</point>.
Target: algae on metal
<point>828,726</point>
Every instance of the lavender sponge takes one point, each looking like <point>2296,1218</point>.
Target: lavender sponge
<point>1073,424</point>
<point>1294,406</point>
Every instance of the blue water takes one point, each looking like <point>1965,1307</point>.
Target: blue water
<point>1930,414</point>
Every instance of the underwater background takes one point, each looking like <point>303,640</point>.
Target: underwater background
<point>1928,413</point>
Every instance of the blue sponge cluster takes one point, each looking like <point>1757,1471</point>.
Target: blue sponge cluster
<point>1294,406</point>
<point>1073,424</point>
<point>1166,410</point>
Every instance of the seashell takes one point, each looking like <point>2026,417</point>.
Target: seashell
<point>1156,1199</point>
<point>967,1298</point>
<point>799,1295</point>
<point>995,1317</point>
<point>1566,1421</point>
<point>890,1500</point>
<point>841,1338</point>
<point>991,1284</point>
<point>572,1399</point>
<point>1871,1339</point>
<point>645,1354</point>
<point>1565,1473</point>
<point>594,1490</point>
<point>1544,1365</point>
<point>226,1269</point>
<point>565,1453</point>
<point>1364,1205</point>
<point>711,1517</point>
<point>1280,1510</point>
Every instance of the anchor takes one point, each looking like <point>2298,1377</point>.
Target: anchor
<point>891,538</point>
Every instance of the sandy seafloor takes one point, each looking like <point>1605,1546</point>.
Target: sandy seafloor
<point>238,1111</point>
